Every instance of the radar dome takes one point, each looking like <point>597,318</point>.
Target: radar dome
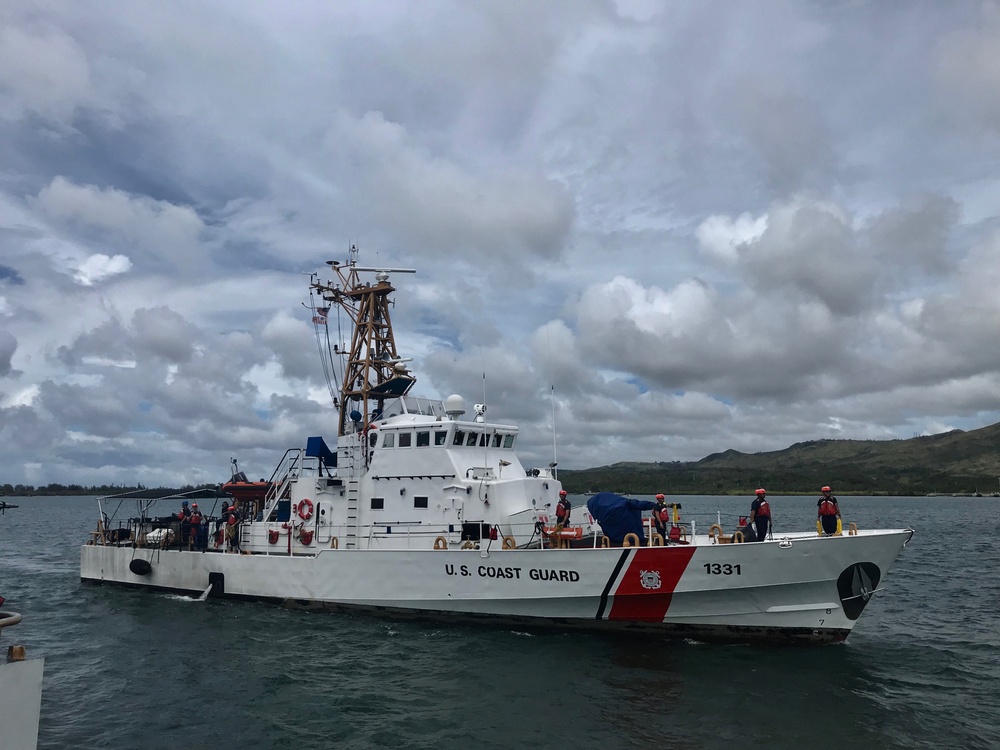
<point>454,406</point>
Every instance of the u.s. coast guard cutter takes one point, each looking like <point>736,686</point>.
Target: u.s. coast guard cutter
<point>420,509</point>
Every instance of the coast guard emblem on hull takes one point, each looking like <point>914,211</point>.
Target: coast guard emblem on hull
<point>650,579</point>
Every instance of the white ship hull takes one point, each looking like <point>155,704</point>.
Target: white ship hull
<point>20,703</point>
<point>20,693</point>
<point>799,587</point>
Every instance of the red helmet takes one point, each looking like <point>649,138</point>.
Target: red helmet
<point>761,491</point>
<point>825,489</point>
<point>562,493</point>
<point>659,496</point>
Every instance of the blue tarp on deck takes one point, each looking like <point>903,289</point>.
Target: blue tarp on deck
<point>619,516</point>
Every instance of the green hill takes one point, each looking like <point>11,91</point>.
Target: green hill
<point>956,462</point>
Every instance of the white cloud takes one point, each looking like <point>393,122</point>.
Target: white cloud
<point>42,70</point>
<point>707,226</point>
<point>23,397</point>
<point>444,205</point>
<point>156,229</point>
<point>98,267</point>
<point>721,236</point>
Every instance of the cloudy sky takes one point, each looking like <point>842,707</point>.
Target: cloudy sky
<point>703,225</point>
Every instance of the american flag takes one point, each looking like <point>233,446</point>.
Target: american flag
<point>320,317</point>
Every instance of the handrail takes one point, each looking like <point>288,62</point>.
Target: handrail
<point>284,469</point>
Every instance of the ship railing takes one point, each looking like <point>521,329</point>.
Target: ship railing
<point>289,468</point>
<point>417,535</point>
<point>283,473</point>
<point>164,532</point>
<point>293,465</point>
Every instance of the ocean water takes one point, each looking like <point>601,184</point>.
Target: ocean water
<point>137,669</point>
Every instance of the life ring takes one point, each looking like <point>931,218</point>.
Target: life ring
<point>738,538</point>
<point>631,540</point>
<point>509,543</point>
<point>714,531</point>
<point>272,536</point>
<point>304,509</point>
<point>440,543</point>
<point>334,543</point>
<point>656,539</point>
<point>852,529</point>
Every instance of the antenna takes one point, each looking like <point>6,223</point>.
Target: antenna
<point>480,410</point>
<point>552,396</point>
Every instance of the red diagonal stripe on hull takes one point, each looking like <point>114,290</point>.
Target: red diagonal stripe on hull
<point>632,600</point>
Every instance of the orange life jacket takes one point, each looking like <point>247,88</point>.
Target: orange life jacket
<point>764,510</point>
<point>562,509</point>
<point>828,507</point>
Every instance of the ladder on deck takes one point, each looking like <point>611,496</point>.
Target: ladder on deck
<point>352,514</point>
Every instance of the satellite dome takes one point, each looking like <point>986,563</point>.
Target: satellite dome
<point>454,406</point>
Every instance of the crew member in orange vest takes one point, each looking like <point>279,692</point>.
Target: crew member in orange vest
<point>232,528</point>
<point>563,508</point>
<point>760,515</point>
<point>661,516</point>
<point>828,511</point>
<point>195,519</point>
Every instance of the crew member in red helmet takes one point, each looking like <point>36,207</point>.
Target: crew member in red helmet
<point>661,516</point>
<point>232,528</point>
<point>828,511</point>
<point>563,508</point>
<point>760,515</point>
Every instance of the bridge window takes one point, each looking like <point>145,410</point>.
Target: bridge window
<point>472,439</point>
<point>459,438</point>
<point>420,502</point>
<point>423,439</point>
<point>508,441</point>
<point>440,437</point>
<point>484,440</point>
<point>378,503</point>
<point>404,439</point>
<point>496,440</point>
<point>388,439</point>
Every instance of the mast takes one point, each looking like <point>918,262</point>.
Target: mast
<point>374,370</point>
